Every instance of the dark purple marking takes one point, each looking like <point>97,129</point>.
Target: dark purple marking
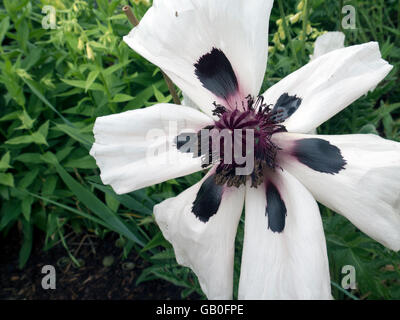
<point>319,155</point>
<point>276,209</point>
<point>208,199</point>
<point>286,106</point>
<point>216,74</point>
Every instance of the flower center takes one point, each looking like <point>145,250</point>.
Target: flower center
<point>242,140</point>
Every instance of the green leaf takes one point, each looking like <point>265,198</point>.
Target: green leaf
<point>4,25</point>
<point>110,70</point>
<point>49,158</point>
<point>91,78</point>
<point>26,206</point>
<point>112,203</point>
<point>29,158</point>
<point>20,140</point>
<point>7,179</point>
<point>32,58</point>
<point>5,161</point>
<point>38,138</point>
<point>10,211</point>
<point>23,34</point>
<point>160,97</point>
<point>33,86</point>
<point>127,200</point>
<point>27,121</point>
<point>120,97</point>
<point>86,162</point>
<point>49,185</point>
<point>25,251</point>
<point>158,240</point>
<point>28,178</point>
<point>76,134</point>
<point>44,129</point>
<point>82,84</point>
<point>67,208</point>
<point>96,206</point>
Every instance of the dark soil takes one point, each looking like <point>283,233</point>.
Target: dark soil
<point>91,281</point>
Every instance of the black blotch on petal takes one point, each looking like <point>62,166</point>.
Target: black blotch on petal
<point>319,155</point>
<point>286,106</point>
<point>275,210</point>
<point>207,200</point>
<point>216,74</point>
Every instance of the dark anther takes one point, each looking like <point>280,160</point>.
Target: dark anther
<point>219,109</point>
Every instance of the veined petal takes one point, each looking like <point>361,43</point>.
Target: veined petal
<point>199,43</point>
<point>328,42</point>
<point>201,225</point>
<point>137,148</point>
<point>289,262</point>
<point>365,188</point>
<point>330,83</point>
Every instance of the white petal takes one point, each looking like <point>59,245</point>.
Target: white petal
<point>288,265</point>
<point>330,83</point>
<point>136,149</point>
<point>366,191</point>
<point>328,42</point>
<point>186,101</point>
<point>174,34</point>
<point>207,248</point>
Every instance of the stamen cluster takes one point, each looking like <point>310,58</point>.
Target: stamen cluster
<point>253,115</point>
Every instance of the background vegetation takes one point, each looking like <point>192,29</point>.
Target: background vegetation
<point>54,83</point>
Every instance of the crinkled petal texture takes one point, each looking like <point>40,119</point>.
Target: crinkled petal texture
<point>207,247</point>
<point>136,149</point>
<point>367,188</point>
<point>175,34</point>
<point>330,83</point>
<point>293,263</point>
<point>328,42</point>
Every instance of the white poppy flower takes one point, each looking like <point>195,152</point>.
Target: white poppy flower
<point>216,52</point>
<point>328,42</point>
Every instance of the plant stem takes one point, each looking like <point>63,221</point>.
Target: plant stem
<point>305,21</point>
<point>130,15</point>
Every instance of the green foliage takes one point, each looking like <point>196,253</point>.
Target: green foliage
<point>54,83</point>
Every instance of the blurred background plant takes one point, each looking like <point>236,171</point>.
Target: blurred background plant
<point>55,82</point>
